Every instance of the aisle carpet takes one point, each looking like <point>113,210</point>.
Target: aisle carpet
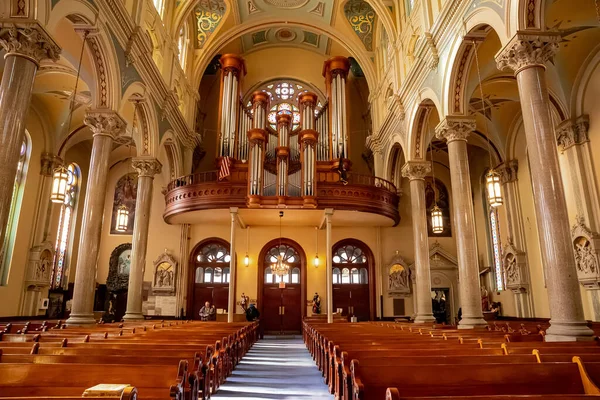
<point>275,368</point>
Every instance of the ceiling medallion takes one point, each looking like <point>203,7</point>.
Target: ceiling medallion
<point>285,35</point>
<point>286,3</point>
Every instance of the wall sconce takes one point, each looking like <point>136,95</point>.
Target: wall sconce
<point>247,259</point>
<point>316,247</point>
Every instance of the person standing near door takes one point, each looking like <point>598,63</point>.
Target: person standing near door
<point>252,313</point>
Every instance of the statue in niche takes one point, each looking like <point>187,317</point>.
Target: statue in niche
<point>511,269</point>
<point>437,194</point>
<point>165,272</point>
<point>124,262</point>
<point>43,267</point>
<point>118,270</point>
<point>584,256</point>
<point>398,279</point>
<point>125,194</point>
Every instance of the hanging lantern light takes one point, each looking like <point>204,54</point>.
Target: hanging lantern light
<point>437,222</point>
<point>492,183</point>
<point>59,185</point>
<point>316,261</point>
<point>122,218</point>
<point>280,268</point>
<point>247,260</point>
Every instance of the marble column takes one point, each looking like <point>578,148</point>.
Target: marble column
<point>526,54</point>
<point>146,168</point>
<point>416,172</point>
<point>106,125</point>
<point>455,130</point>
<point>328,265</point>
<point>233,211</point>
<point>26,45</point>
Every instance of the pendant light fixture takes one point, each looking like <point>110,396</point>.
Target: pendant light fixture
<point>60,176</point>
<point>123,210</point>
<point>437,220</point>
<point>316,247</point>
<point>492,178</point>
<point>280,268</point>
<point>247,258</point>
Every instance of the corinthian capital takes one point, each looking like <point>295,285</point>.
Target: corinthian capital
<point>455,128</point>
<point>527,49</point>
<point>30,40</point>
<point>508,171</point>
<point>572,131</point>
<point>416,169</point>
<point>146,166</point>
<point>105,122</point>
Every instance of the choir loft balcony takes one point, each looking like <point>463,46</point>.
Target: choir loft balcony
<point>195,198</point>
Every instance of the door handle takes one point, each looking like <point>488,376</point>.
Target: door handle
<point>281,310</point>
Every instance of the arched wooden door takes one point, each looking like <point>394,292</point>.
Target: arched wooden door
<point>282,299</point>
<point>209,278</point>
<point>353,279</point>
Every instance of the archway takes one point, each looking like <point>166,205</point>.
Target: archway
<point>209,276</point>
<point>354,279</point>
<point>282,299</point>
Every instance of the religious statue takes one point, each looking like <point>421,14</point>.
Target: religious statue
<point>511,269</point>
<point>485,299</point>
<point>585,258</point>
<point>399,278</point>
<point>316,304</point>
<point>244,302</point>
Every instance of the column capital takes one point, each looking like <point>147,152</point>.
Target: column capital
<point>309,98</point>
<point>455,127</point>
<point>508,171</point>
<point>260,99</point>
<point>527,49</point>
<point>48,163</point>
<point>105,122</point>
<point>336,65</point>
<point>233,63</point>
<point>29,40</point>
<point>416,170</point>
<point>572,132</point>
<point>146,166</point>
<point>283,119</point>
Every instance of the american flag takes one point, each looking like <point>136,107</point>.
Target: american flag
<point>224,172</point>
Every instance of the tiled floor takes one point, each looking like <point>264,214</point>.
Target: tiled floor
<point>275,368</point>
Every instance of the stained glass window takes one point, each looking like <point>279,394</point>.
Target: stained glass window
<point>284,108</point>
<point>350,254</point>
<point>216,255</point>
<point>289,256</point>
<point>13,216</point>
<point>158,4</point>
<point>496,249</point>
<point>65,224</point>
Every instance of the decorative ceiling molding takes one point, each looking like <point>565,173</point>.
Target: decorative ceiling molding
<point>287,3</point>
<point>319,9</point>
<point>252,8</point>
<point>361,17</point>
<point>209,14</point>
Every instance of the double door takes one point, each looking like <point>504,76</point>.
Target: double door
<point>281,311</point>
<point>353,300</point>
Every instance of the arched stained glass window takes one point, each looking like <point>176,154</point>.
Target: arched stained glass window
<point>213,253</point>
<point>349,254</point>
<point>337,276</point>
<point>496,247</point>
<point>357,272</point>
<point>65,225</point>
<point>212,263</point>
<point>15,205</point>
<point>289,256</point>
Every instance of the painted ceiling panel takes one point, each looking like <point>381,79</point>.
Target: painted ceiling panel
<point>361,17</point>
<point>208,15</point>
<point>317,9</point>
<point>285,36</point>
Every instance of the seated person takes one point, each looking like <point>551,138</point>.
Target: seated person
<point>208,312</point>
<point>252,313</point>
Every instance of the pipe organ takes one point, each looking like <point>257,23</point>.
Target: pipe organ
<point>283,134</point>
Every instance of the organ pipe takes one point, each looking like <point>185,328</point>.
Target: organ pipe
<point>233,69</point>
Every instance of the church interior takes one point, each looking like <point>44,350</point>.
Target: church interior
<point>341,196</point>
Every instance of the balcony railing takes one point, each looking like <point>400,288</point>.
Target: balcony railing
<point>200,177</point>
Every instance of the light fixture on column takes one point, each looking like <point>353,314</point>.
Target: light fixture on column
<point>60,175</point>
<point>280,268</point>
<point>316,247</point>
<point>247,258</point>
<point>123,210</point>
<point>437,220</point>
<point>492,178</point>
<point>59,184</point>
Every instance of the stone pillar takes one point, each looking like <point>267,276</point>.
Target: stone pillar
<point>26,45</point>
<point>328,265</point>
<point>526,54</point>
<point>233,211</point>
<point>455,130</point>
<point>106,125</point>
<point>184,266</point>
<point>416,172</point>
<point>146,167</point>
<point>514,258</point>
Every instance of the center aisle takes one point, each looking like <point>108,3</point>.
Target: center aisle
<point>275,368</point>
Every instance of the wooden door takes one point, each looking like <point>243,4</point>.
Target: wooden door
<point>353,299</point>
<point>282,308</point>
<point>270,317</point>
<point>291,303</point>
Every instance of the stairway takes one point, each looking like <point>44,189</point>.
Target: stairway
<point>275,368</point>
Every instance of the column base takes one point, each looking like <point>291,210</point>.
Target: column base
<point>132,316</point>
<point>568,332</point>
<point>80,319</point>
<point>472,323</point>
<point>424,319</point>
